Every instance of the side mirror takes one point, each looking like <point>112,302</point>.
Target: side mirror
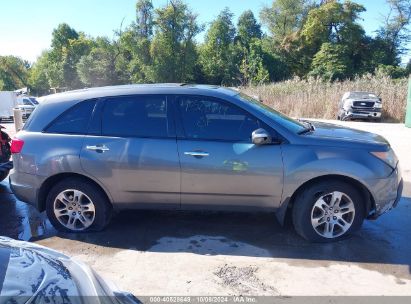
<point>261,137</point>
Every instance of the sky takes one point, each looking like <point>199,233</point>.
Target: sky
<point>26,25</point>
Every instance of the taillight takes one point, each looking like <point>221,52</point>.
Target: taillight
<point>16,145</point>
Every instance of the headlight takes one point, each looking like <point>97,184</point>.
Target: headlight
<point>387,157</point>
<point>347,104</point>
<point>378,105</point>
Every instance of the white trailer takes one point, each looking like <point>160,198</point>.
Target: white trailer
<point>8,101</point>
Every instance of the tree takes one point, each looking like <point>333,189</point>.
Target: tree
<point>39,75</point>
<point>144,18</point>
<point>392,71</point>
<point>334,23</point>
<point>394,35</point>
<point>68,46</point>
<point>248,28</point>
<point>217,57</point>
<point>99,67</point>
<point>13,73</point>
<point>173,52</point>
<point>284,17</point>
<point>331,62</point>
<point>135,42</point>
<point>252,66</point>
<point>62,35</point>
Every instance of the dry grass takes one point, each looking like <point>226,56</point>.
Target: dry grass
<point>313,98</point>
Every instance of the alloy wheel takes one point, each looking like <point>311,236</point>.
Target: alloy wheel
<point>74,210</point>
<point>333,214</point>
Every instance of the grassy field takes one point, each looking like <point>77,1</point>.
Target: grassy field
<point>314,98</point>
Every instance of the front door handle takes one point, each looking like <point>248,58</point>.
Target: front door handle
<point>197,154</point>
<point>98,148</point>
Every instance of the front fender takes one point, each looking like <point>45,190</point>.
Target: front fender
<point>305,163</point>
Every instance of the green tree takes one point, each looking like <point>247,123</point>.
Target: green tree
<point>248,28</point>
<point>331,62</point>
<point>217,54</point>
<point>284,17</point>
<point>173,52</point>
<point>68,46</point>
<point>393,36</point>
<point>100,66</point>
<point>392,71</point>
<point>39,75</point>
<point>135,42</point>
<point>13,73</point>
<point>334,23</point>
<point>252,66</point>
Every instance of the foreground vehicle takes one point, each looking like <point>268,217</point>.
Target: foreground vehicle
<point>363,105</point>
<point>85,152</point>
<point>5,154</point>
<point>30,273</point>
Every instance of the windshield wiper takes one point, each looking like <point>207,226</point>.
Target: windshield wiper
<point>309,127</point>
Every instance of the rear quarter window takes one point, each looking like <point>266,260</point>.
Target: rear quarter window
<point>74,120</point>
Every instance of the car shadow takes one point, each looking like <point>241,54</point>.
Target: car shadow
<point>385,241</point>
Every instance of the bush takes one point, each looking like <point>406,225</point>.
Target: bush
<point>315,98</point>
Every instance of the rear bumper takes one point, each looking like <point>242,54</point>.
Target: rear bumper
<point>25,187</point>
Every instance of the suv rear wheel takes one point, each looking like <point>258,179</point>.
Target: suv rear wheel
<point>76,205</point>
<point>328,211</point>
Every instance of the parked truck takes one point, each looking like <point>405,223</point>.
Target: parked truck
<point>8,101</point>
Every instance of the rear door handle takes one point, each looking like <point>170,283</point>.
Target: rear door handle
<point>98,148</point>
<point>197,154</point>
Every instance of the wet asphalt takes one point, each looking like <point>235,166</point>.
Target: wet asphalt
<point>383,245</point>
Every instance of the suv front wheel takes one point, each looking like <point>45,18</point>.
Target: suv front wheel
<point>76,205</point>
<point>328,211</point>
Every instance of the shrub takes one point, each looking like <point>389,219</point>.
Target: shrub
<point>316,98</point>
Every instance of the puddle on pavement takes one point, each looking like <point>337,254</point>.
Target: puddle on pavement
<point>19,220</point>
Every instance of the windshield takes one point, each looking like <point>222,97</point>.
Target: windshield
<point>34,100</point>
<point>362,95</point>
<point>288,122</point>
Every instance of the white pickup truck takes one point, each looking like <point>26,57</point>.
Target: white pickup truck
<point>10,100</point>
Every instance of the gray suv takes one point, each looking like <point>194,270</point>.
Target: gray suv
<point>193,147</point>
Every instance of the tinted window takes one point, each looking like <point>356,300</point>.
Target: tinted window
<point>211,119</point>
<point>74,120</point>
<point>27,102</point>
<point>136,116</point>
<point>287,122</point>
<point>34,100</point>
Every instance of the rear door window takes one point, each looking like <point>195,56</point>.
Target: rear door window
<point>75,120</point>
<point>137,116</point>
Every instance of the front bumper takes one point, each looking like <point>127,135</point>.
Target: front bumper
<point>364,114</point>
<point>387,193</point>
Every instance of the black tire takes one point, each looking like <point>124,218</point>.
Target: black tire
<point>103,208</point>
<point>304,204</point>
<point>3,175</point>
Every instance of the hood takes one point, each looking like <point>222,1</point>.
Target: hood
<point>25,107</point>
<point>30,273</point>
<point>343,134</point>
